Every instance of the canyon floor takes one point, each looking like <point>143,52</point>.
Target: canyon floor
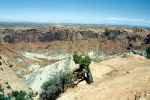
<point>120,77</point>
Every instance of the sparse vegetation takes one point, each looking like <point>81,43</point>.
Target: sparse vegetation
<point>8,87</point>
<point>21,95</point>
<point>84,71</point>
<point>82,60</point>
<point>77,58</point>
<point>15,95</point>
<point>55,86</point>
<point>2,95</point>
<point>147,51</point>
<point>58,84</point>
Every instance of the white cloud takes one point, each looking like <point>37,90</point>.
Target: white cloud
<point>128,20</point>
<point>79,19</point>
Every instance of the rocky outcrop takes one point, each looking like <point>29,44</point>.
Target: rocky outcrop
<point>36,35</point>
<point>121,37</point>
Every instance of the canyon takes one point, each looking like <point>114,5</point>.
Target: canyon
<point>31,56</point>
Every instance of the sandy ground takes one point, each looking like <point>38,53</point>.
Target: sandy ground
<point>7,75</point>
<point>115,79</point>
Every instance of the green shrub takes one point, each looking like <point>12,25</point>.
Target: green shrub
<point>51,93</point>
<point>1,93</point>
<point>2,96</point>
<point>84,62</point>
<point>147,51</point>
<point>8,86</point>
<point>49,83</point>
<point>6,83</point>
<point>67,79</point>
<point>1,89</point>
<point>15,95</point>
<point>77,58</point>
<point>55,86</point>
<point>21,95</point>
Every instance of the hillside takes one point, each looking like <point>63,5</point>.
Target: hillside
<point>115,79</point>
<point>8,77</point>
<point>32,56</point>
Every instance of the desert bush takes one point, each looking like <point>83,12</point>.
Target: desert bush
<point>67,80</point>
<point>82,60</point>
<point>51,82</point>
<point>2,96</point>
<point>8,87</point>
<point>15,95</point>
<point>55,86</point>
<point>21,95</point>
<point>77,58</point>
<point>51,93</point>
<point>61,81</point>
<point>85,62</point>
<point>147,51</point>
<point>84,71</point>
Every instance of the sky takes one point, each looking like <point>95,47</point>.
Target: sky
<point>134,12</point>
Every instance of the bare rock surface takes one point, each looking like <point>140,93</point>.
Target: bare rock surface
<point>115,79</point>
<point>8,76</point>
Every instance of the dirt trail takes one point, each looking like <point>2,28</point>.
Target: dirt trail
<point>115,79</point>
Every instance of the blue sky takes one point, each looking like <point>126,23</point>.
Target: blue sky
<point>136,12</point>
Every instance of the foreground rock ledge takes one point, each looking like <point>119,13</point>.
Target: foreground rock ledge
<point>115,79</point>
